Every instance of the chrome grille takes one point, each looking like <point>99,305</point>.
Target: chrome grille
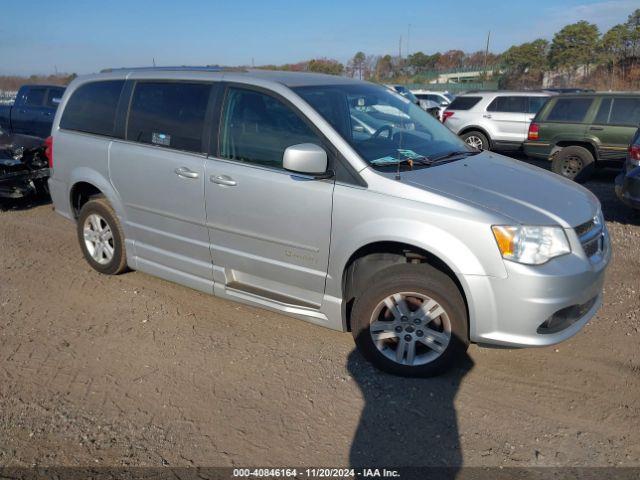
<point>591,235</point>
<point>585,227</point>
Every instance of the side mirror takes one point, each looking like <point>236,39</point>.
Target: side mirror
<point>306,159</point>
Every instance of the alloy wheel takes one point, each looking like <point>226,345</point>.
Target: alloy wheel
<point>410,328</point>
<point>475,142</point>
<point>98,239</point>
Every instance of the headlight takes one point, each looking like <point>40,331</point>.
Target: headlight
<point>530,245</point>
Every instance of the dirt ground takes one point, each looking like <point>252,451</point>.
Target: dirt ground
<point>133,370</point>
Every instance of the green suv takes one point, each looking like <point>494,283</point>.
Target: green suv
<point>578,132</point>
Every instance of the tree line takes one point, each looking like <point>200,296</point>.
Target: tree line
<point>577,55</point>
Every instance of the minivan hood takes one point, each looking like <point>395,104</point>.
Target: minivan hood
<point>527,194</point>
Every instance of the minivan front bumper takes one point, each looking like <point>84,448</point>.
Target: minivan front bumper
<point>538,305</point>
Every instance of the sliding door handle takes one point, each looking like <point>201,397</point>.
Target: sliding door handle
<point>184,172</point>
<point>223,180</point>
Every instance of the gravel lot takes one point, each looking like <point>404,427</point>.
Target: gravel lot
<point>133,370</point>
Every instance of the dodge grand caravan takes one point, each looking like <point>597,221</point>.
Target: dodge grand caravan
<point>331,200</point>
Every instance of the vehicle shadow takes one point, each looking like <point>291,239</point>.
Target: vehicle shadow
<point>407,422</point>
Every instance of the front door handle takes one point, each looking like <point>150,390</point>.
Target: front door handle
<point>223,180</point>
<point>596,128</point>
<point>184,172</point>
<point>486,115</point>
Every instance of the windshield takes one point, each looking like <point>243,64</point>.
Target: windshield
<point>382,126</point>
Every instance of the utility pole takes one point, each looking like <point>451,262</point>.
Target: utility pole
<point>153,60</point>
<point>400,47</point>
<point>408,39</point>
<point>486,55</point>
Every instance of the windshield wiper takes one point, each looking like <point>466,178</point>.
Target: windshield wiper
<point>453,154</point>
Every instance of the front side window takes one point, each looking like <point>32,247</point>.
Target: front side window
<point>169,114</point>
<point>508,105</point>
<point>383,127</point>
<point>570,110</point>
<point>92,108</point>
<point>257,128</point>
<point>54,95</point>
<point>625,111</point>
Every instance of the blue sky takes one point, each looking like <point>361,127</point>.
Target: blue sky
<point>38,36</point>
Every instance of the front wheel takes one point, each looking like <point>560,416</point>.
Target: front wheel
<point>411,321</point>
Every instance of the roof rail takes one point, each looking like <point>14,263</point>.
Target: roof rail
<point>182,68</point>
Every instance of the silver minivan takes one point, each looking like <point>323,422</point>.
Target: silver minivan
<point>331,200</point>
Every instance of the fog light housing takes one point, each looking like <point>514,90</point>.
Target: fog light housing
<point>565,317</point>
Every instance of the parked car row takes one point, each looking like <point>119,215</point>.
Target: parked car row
<point>329,199</point>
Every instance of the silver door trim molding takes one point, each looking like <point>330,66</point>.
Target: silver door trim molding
<point>262,237</point>
<point>165,214</point>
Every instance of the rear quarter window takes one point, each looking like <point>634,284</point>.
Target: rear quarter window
<point>92,108</point>
<point>464,103</point>
<point>569,110</point>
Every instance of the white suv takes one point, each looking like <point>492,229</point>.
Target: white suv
<point>493,120</point>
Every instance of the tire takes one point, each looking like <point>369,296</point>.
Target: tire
<point>99,222</point>
<point>476,139</point>
<point>573,162</point>
<point>415,284</point>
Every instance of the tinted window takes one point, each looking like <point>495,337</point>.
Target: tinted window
<point>625,111</point>
<point>169,114</point>
<point>34,97</point>
<point>508,105</point>
<point>536,103</point>
<point>257,128</point>
<point>569,110</point>
<point>53,97</point>
<point>464,103</point>
<point>92,108</point>
<point>602,117</point>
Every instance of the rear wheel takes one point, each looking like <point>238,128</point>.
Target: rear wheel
<point>101,238</point>
<point>411,321</point>
<point>573,162</point>
<point>477,140</point>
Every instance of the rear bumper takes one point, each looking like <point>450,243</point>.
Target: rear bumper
<point>60,197</point>
<point>512,311</point>
<point>628,187</point>
<point>540,150</point>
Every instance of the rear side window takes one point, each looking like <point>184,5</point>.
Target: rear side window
<point>169,114</point>
<point>34,97</point>
<point>536,103</point>
<point>625,111</point>
<point>602,117</point>
<point>464,103</point>
<point>508,105</point>
<point>92,108</point>
<point>569,110</point>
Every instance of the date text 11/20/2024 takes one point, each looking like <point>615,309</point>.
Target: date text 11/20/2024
<point>315,473</point>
